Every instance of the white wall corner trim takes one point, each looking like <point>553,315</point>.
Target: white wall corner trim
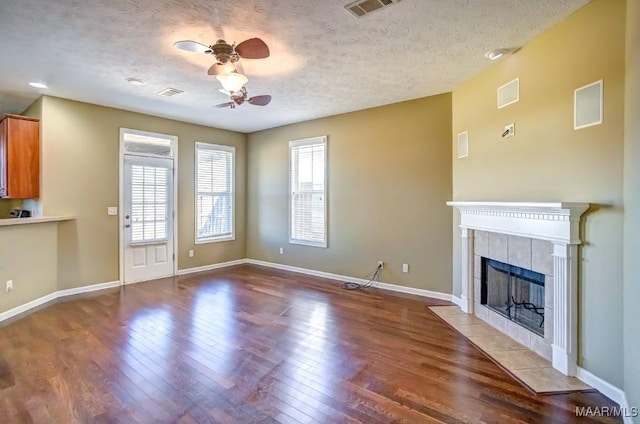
<point>344,278</point>
<point>211,267</point>
<point>53,296</point>
<point>607,389</point>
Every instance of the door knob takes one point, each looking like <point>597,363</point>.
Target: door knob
<point>126,217</point>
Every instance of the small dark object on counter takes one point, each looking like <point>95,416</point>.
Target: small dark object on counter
<point>20,213</point>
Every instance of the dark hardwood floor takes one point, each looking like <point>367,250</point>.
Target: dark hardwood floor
<point>255,345</point>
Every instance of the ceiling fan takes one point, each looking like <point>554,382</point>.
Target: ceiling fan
<point>239,97</point>
<point>227,54</point>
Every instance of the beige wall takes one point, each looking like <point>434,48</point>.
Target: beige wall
<point>547,160</point>
<point>28,253</point>
<point>28,256</point>
<point>389,178</point>
<point>80,177</point>
<point>632,209</point>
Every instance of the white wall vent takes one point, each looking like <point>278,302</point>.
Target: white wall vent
<point>463,144</point>
<point>168,92</point>
<point>509,93</point>
<point>587,105</point>
<point>359,8</point>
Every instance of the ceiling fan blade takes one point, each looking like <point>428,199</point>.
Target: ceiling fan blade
<point>260,100</point>
<point>220,69</point>
<point>227,104</point>
<point>191,46</point>
<point>253,48</point>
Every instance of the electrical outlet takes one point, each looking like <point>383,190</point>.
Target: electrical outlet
<point>405,268</point>
<point>381,264</point>
<point>9,286</point>
<point>112,210</point>
<point>282,251</point>
<point>191,253</point>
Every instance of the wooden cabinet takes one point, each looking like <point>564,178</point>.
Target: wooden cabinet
<point>19,157</point>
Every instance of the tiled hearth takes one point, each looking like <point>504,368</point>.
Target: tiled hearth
<point>531,369</point>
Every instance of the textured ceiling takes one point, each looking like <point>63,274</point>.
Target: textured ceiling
<point>323,60</point>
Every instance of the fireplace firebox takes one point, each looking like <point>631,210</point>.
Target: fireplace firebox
<point>514,292</point>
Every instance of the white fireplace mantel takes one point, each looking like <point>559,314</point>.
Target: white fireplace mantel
<point>557,222</point>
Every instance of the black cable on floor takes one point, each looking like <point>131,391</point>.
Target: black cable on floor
<point>359,286</point>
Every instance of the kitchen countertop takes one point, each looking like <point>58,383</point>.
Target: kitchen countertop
<point>37,220</point>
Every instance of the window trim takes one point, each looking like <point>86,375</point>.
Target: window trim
<point>308,142</point>
<point>174,198</point>
<point>227,237</point>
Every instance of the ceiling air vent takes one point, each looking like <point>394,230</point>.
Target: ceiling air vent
<point>360,8</point>
<point>168,92</point>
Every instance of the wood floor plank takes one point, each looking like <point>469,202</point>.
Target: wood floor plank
<point>250,344</point>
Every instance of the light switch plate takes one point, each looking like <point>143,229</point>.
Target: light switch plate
<point>112,210</point>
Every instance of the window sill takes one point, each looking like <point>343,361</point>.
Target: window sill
<point>215,239</point>
<point>308,243</point>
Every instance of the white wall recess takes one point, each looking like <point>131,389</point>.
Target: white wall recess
<point>509,93</point>
<point>587,105</point>
<point>463,144</point>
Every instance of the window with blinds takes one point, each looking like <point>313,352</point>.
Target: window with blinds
<point>214,192</point>
<point>149,203</point>
<point>307,192</point>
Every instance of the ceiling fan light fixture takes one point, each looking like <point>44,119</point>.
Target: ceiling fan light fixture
<point>232,82</point>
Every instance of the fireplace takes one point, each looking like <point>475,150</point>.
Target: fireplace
<point>550,235</point>
<point>515,293</point>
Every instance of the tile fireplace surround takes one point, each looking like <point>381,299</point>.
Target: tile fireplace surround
<point>555,225</point>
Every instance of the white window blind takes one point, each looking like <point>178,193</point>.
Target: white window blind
<point>307,201</point>
<point>214,192</point>
<point>149,203</point>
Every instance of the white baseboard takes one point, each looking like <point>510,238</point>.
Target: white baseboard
<point>27,306</point>
<point>211,267</point>
<point>53,296</point>
<point>457,300</point>
<point>413,290</point>
<point>101,286</point>
<point>87,289</point>
<point>609,390</point>
<point>345,278</point>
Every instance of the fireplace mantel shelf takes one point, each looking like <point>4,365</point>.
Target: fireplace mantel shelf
<point>521,206</point>
<point>552,221</point>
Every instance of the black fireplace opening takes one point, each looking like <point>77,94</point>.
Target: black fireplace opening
<point>514,292</point>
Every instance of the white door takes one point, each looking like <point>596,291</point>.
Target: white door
<point>147,218</point>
